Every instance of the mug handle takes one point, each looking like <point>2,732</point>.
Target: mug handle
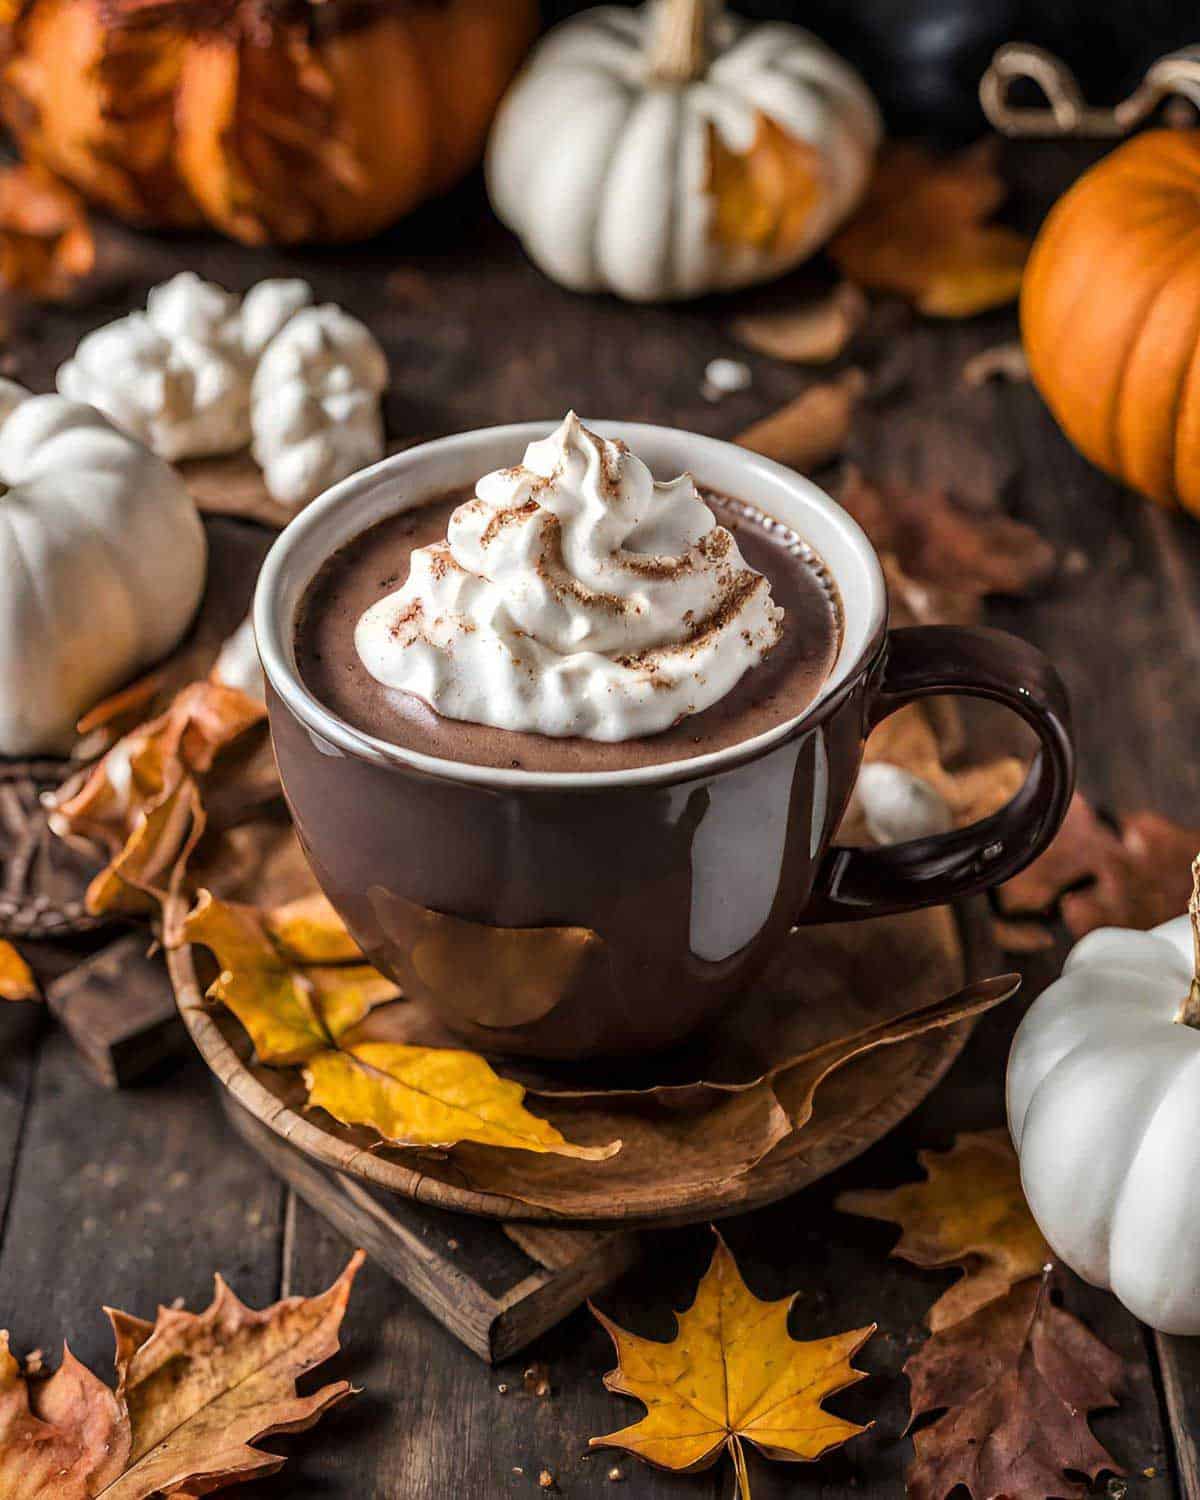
<point>921,661</point>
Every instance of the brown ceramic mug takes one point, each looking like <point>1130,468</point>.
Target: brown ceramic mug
<point>568,915</point>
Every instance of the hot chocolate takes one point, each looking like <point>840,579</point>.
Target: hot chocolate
<point>375,564</point>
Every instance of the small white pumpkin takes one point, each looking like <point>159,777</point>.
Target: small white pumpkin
<point>1104,1110</point>
<point>102,557</point>
<point>674,150</point>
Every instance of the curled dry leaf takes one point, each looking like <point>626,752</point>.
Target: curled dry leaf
<point>942,543</point>
<point>46,244</point>
<point>148,801</point>
<point>1016,1382</point>
<point>811,430</point>
<point>922,232</point>
<point>16,977</point>
<point>194,1392</point>
<point>813,332</point>
<point>732,1374</point>
<point>1137,875</point>
<point>298,984</point>
<point>969,1212</point>
<point>1002,361</point>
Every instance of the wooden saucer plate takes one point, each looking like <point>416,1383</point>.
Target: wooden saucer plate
<point>854,1108</point>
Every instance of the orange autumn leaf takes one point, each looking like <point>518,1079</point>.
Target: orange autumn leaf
<point>147,801</point>
<point>922,232</point>
<point>194,1392</point>
<point>969,1212</point>
<point>46,243</point>
<point>16,977</point>
<point>297,983</point>
<point>732,1374</point>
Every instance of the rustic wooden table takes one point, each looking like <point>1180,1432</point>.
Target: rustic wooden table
<point>132,1197</point>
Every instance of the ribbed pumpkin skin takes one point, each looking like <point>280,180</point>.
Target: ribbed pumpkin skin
<point>240,115</point>
<point>1110,315</point>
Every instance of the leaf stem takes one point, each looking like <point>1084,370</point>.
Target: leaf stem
<point>1188,1013</point>
<point>678,51</point>
<point>740,1472</point>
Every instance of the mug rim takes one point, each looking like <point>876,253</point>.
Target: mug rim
<point>274,636</point>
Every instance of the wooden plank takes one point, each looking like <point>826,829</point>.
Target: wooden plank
<point>130,1198</point>
<point>119,1009</point>
<point>494,1292</point>
<point>1179,1368</point>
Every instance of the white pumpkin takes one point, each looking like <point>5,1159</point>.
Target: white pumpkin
<point>1104,1110</point>
<point>674,150</point>
<point>102,557</point>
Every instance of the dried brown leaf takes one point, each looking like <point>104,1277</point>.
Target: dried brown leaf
<point>922,232</point>
<point>968,1212</point>
<point>65,1438</point>
<point>811,430</point>
<point>813,332</point>
<point>937,541</point>
<point>46,243</point>
<point>1016,1382</point>
<point>194,1392</point>
<point>148,801</point>
<point>1136,876</point>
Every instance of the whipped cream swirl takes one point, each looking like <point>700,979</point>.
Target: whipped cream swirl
<point>574,595</point>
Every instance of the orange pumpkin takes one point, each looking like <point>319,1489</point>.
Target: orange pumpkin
<point>1110,315</point>
<point>271,120</point>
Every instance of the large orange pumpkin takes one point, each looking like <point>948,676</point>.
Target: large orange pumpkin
<point>272,120</point>
<point>1110,315</point>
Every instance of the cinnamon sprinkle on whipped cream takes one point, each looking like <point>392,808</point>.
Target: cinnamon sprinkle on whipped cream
<point>574,595</point>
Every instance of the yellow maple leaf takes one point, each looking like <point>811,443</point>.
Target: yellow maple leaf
<point>922,232</point>
<point>969,1211</point>
<point>732,1372</point>
<point>16,977</point>
<point>297,982</point>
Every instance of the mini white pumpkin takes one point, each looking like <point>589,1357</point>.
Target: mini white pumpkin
<point>102,557</point>
<point>1104,1110</point>
<point>674,150</point>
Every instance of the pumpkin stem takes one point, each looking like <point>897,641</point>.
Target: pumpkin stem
<point>678,51</point>
<point>1188,1013</point>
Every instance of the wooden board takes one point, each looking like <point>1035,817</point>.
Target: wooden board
<point>119,1010</point>
<point>861,1104</point>
<point>132,1198</point>
<point>496,1289</point>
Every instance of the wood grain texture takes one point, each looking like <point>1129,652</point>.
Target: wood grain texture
<point>475,336</point>
<point>119,1010</point>
<point>493,1292</point>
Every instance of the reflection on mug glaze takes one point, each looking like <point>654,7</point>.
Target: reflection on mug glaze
<point>483,975</point>
<point>737,853</point>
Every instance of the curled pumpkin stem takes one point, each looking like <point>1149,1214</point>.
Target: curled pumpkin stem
<point>1188,1013</point>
